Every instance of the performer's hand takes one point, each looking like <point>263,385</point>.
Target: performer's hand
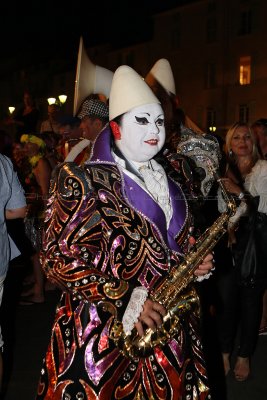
<point>205,266</point>
<point>151,316</point>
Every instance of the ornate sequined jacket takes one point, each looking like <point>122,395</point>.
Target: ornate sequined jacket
<point>105,235</point>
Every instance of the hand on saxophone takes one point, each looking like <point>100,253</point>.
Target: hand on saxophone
<point>151,316</point>
<point>206,266</point>
<point>231,186</point>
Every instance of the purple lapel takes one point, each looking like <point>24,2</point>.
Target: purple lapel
<point>145,204</point>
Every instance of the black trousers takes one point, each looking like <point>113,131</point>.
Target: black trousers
<point>239,310</point>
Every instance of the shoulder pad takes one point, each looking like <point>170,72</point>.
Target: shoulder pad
<point>71,180</point>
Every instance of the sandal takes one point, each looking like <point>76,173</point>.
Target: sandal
<point>242,369</point>
<point>263,330</point>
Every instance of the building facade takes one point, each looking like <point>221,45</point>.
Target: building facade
<point>217,50</point>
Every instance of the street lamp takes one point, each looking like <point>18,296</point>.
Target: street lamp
<point>62,98</point>
<point>51,100</point>
<point>11,109</point>
<point>212,128</point>
<point>60,101</point>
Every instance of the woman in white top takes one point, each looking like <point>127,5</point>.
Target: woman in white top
<point>241,293</point>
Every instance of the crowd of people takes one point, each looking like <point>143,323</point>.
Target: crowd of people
<point>129,180</point>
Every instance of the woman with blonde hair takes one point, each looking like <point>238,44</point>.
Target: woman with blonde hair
<point>241,288</point>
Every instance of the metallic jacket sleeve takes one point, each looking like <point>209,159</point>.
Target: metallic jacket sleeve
<point>75,242</point>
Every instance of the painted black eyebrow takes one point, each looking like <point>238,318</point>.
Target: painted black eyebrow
<point>150,114</point>
<point>144,113</point>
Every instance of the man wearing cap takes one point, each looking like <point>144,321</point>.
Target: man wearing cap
<point>115,228</point>
<point>93,116</point>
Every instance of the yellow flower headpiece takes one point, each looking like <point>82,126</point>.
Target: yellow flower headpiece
<point>33,139</point>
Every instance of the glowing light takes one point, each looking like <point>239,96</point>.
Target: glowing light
<point>212,128</point>
<point>11,109</point>
<point>62,98</point>
<point>51,100</point>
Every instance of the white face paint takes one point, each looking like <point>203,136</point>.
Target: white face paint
<point>142,132</point>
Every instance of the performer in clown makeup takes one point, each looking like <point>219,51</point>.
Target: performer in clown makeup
<point>114,229</point>
<point>144,133</point>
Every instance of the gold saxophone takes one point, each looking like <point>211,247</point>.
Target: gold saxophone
<point>171,292</point>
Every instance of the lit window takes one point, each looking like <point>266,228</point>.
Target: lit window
<point>245,70</point>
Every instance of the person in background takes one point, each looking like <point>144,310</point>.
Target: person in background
<point>93,116</point>
<point>12,206</point>
<point>241,286</point>
<point>161,76</point>
<point>115,228</point>
<point>51,148</point>
<point>259,129</point>
<point>26,119</point>
<point>37,184</point>
<point>70,135</point>
<point>51,124</point>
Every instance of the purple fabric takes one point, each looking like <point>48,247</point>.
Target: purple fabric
<point>101,147</point>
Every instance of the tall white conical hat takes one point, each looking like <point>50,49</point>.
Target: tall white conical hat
<point>162,72</point>
<point>90,78</point>
<point>128,90</point>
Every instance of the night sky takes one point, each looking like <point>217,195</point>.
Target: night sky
<point>37,29</point>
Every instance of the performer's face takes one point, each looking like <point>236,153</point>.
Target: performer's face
<point>142,132</point>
